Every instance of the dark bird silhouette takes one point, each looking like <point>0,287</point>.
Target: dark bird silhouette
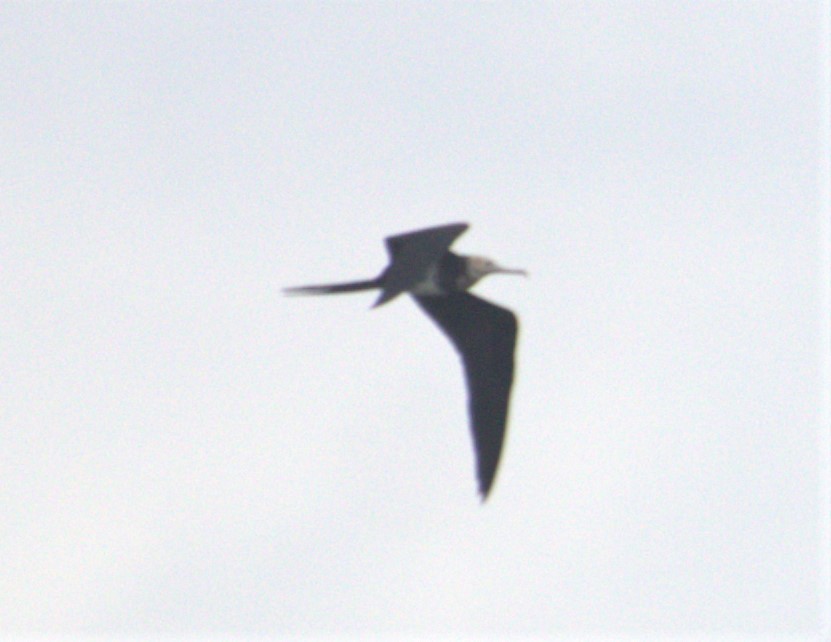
<point>484,334</point>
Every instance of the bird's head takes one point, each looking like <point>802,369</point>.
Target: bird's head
<point>479,266</point>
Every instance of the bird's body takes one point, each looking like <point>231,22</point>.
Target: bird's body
<point>484,334</point>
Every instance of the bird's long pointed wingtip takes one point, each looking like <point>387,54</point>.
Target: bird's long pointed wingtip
<point>296,291</point>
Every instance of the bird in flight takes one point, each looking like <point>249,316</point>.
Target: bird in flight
<point>484,334</point>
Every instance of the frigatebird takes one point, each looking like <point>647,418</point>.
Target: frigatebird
<point>483,334</point>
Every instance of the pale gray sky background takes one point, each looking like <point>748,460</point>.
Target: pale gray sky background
<point>185,451</point>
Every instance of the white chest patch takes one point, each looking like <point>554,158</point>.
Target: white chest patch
<point>429,285</point>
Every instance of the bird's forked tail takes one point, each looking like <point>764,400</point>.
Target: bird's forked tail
<point>334,288</point>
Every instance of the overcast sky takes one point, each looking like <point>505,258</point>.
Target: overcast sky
<point>185,451</point>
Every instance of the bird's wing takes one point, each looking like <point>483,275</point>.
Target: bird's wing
<point>484,334</point>
<point>440,237</point>
<point>412,254</point>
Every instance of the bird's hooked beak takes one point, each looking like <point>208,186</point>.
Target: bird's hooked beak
<point>498,269</point>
